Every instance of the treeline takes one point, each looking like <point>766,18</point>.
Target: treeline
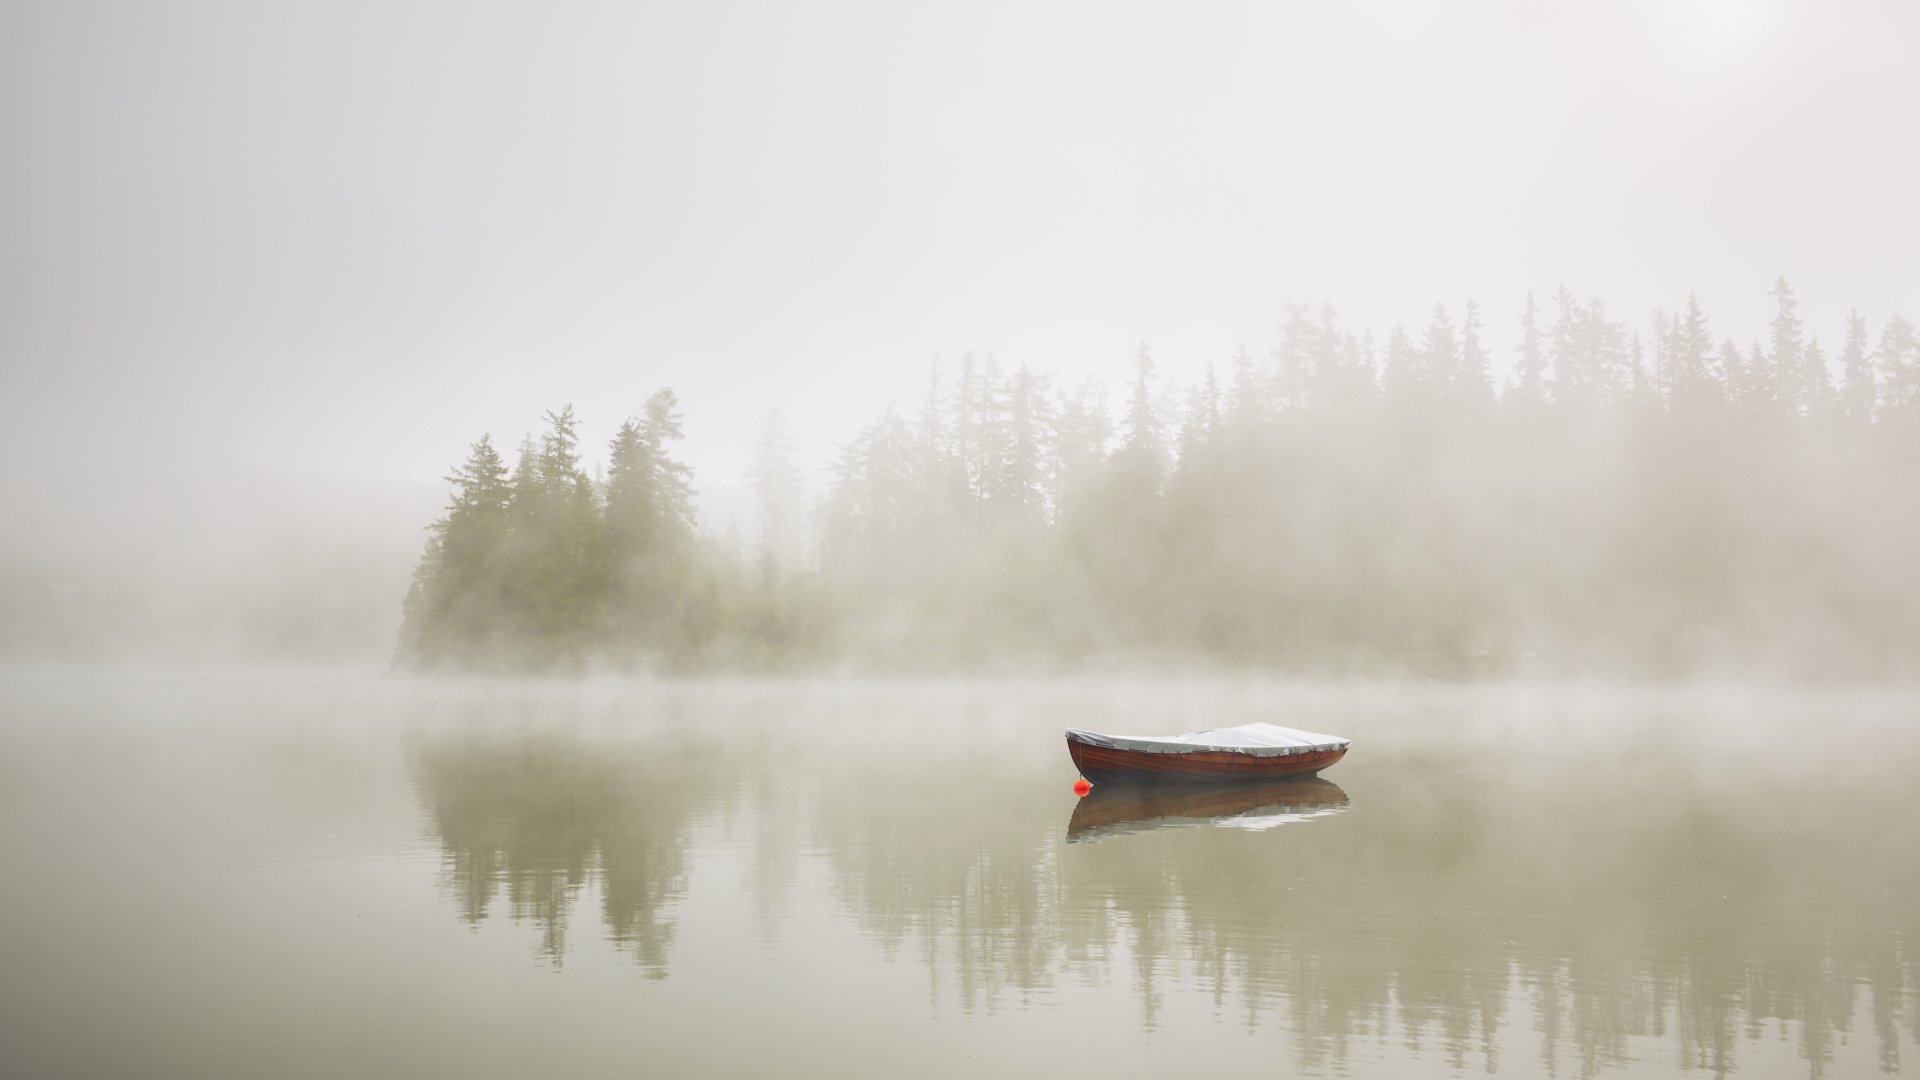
<point>1626,503</point>
<point>542,567</point>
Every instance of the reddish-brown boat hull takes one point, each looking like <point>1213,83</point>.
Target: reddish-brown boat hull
<point>1116,807</point>
<point>1102,765</point>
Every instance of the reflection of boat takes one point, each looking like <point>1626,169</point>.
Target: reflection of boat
<point>1247,752</point>
<point>1258,805</point>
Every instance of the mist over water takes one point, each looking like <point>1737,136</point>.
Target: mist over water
<point>225,875</point>
<point>563,541</point>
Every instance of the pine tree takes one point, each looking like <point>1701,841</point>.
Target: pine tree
<point>1749,381</point>
<point>559,465</point>
<point>1741,382</point>
<point>1402,377</point>
<point>1439,355</point>
<point>650,526</point>
<point>1294,359</point>
<point>1359,380</point>
<point>996,436</point>
<point>1898,359</point>
<point>525,496</point>
<point>1246,408</point>
<point>1692,384</point>
<point>672,480</point>
<point>1571,378</point>
<point>1082,433</point>
<point>939,492</point>
<point>1641,381</point>
<point>1366,361</point>
<point>969,429</point>
<point>1019,480</point>
<point>1530,367</point>
<point>629,490</point>
<point>1857,391</point>
<point>1210,418</point>
<point>932,430</point>
<point>564,569</point>
<point>1143,444</point>
<point>1334,379</point>
<point>776,488</point>
<point>453,611</point>
<point>1200,430</point>
<point>844,527</point>
<point>1601,374</point>
<point>869,533</point>
<point>1763,387</point>
<point>1472,379</point>
<point>1665,327</point>
<point>419,646</point>
<point>1818,382</point>
<point>479,485</point>
<point>527,507</point>
<point>1196,498</point>
<point>1793,377</point>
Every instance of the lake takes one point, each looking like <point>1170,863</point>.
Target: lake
<point>296,874</point>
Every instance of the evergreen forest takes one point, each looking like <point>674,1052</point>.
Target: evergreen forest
<point>1663,501</point>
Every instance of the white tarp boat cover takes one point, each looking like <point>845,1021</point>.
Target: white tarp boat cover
<point>1259,740</point>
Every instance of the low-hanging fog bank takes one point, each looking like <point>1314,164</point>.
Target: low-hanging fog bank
<point>1646,502</point>
<point>160,564</point>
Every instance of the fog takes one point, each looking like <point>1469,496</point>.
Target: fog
<point>890,877</point>
<point>268,272</point>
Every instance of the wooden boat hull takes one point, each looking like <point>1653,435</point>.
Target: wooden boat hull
<point>1106,765</point>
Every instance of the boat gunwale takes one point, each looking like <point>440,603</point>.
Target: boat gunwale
<point>1102,741</point>
<point>1101,764</point>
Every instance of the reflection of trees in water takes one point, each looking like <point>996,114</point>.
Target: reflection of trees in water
<point>961,875</point>
<point>1423,917</point>
<point>1586,913</point>
<point>538,817</point>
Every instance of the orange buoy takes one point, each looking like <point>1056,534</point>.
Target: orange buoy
<point>1081,787</point>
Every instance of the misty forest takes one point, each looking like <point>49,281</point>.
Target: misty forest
<point>1368,541</point>
<point>1660,501</point>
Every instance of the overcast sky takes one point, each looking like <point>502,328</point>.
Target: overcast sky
<point>346,239</point>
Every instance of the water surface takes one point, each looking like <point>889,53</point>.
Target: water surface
<point>312,875</point>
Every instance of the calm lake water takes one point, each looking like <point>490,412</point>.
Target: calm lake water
<point>310,875</point>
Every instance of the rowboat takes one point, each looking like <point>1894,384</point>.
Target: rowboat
<point>1113,809</point>
<point>1247,752</point>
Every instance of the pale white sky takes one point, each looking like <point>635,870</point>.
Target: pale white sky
<point>347,238</point>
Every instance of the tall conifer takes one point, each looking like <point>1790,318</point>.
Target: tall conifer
<point>1857,390</point>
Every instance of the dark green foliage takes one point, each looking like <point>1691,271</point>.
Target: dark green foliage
<point>652,551</point>
<point>458,606</point>
<point>1645,505</point>
<point>555,554</point>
